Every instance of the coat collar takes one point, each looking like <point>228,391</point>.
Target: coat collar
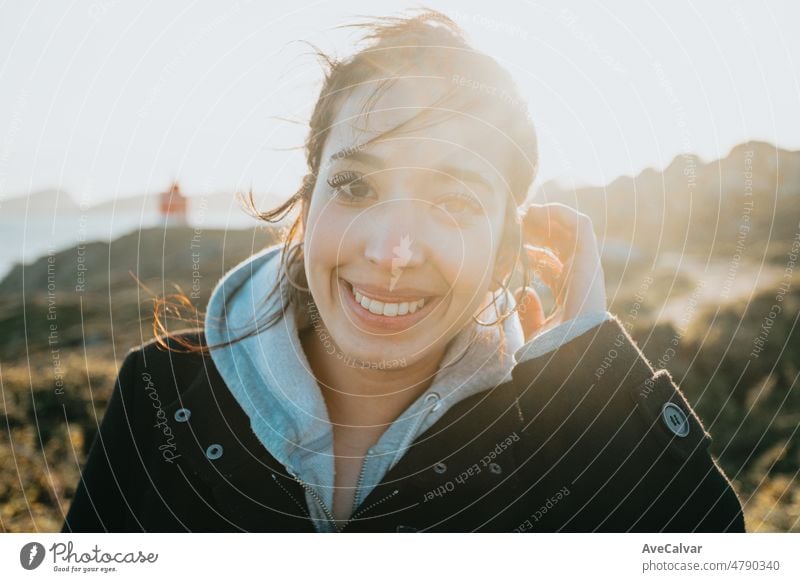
<point>219,451</point>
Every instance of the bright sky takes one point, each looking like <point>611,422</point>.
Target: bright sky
<point>105,98</point>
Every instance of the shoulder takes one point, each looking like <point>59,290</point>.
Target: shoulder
<point>176,347</point>
<point>624,433</point>
<point>164,366</point>
<point>601,384</point>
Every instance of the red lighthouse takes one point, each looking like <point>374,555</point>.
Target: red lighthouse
<point>173,206</point>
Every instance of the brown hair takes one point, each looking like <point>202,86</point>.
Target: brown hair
<point>422,41</point>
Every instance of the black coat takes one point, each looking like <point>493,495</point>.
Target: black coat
<point>585,438</point>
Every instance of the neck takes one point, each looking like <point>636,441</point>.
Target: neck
<point>366,398</point>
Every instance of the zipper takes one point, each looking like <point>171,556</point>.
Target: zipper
<point>360,477</point>
<point>322,505</point>
<point>293,498</point>
<point>432,398</point>
<point>317,498</point>
<point>370,506</point>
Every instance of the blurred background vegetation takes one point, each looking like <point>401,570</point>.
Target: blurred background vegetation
<point>695,258</point>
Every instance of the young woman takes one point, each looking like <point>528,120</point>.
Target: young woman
<point>374,373</point>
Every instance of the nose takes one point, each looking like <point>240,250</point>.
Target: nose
<point>392,240</point>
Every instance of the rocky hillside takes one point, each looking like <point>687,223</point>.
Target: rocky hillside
<point>697,207</point>
<point>99,291</point>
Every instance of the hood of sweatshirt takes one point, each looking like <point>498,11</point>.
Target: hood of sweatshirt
<point>270,377</point>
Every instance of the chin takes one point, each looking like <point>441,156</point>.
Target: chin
<point>369,348</point>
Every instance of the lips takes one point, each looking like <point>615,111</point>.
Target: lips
<point>385,314</point>
<point>387,308</point>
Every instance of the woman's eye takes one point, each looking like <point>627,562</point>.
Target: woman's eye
<point>349,186</point>
<point>459,204</point>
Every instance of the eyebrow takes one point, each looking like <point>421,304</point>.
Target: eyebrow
<point>463,174</point>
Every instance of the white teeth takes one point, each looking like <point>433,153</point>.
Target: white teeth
<point>388,309</point>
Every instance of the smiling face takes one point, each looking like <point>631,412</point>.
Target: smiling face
<point>402,235</point>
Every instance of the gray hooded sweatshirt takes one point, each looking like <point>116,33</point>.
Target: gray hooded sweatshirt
<point>270,377</point>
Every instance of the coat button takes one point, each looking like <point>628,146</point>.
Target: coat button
<point>495,468</point>
<point>182,414</point>
<point>214,451</point>
<point>675,419</point>
<point>440,467</point>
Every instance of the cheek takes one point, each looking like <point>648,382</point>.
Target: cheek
<point>324,231</point>
<point>327,237</point>
<point>466,259</point>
